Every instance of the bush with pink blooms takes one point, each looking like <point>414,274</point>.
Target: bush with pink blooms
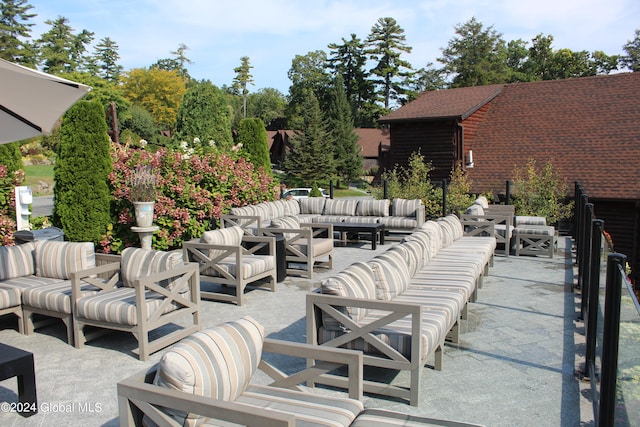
<point>8,181</point>
<point>193,191</point>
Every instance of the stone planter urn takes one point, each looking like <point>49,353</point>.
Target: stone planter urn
<point>144,213</point>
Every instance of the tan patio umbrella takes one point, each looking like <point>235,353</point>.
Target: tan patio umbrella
<point>31,102</point>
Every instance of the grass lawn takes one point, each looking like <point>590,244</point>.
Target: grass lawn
<point>36,173</point>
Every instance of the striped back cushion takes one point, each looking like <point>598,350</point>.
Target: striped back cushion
<point>16,261</point>
<point>340,207</point>
<point>446,231</point>
<point>58,260</point>
<point>248,210</point>
<point>413,252</point>
<point>229,236</point>
<point>435,235</point>
<point>482,201</point>
<point>355,281</point>
<point>423,239</point>
<point>216,363</point>
<point>136,263</point>
<point>292,207</point>
<point>312,205</point>
<point>391,275</point>
<point>291,222</point>
<point>456,225</point>
<point>475,209</point>
<point>373,207</point>
<point>406,207</point>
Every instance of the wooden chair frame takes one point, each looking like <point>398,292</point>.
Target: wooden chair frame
<point>185,293</point>
<point>471,223</point>
<point>199,252</point>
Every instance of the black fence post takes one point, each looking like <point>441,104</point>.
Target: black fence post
<point>444,197</point>
<point>385,190</point>
<point>331,189</point>
<point>507,197</point>
<point>585,252</point>
<point>610,340</point>
<point>591,305</point>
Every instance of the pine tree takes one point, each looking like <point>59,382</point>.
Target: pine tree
<point>61,51</point>
<point>255,147</point>
<point>311,155</point>
<point>81,195</point>
<point>242,79</point>
<point>106,58</point>
<point>346,151</point>
<point>15,30</point>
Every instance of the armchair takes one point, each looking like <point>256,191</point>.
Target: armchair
<point>141,292</point>
<point>306,244</point>
<point>222,259</point>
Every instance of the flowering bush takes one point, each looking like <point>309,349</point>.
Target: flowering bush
<point>8,181</point>
<point>192,194</point>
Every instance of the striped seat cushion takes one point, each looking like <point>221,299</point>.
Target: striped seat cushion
<point>26,282</point>
<point>309,409</point>
<point>252,265</point>
<point>530,220</point>
<point>324,219</point>
<point>217,363</point>
<point>373,207</point>
<point>413,253</point>
<point>16,261</point>
<point>448,301</point>
<point>396,222</point>
<point>119,306</point>
<point>534,230</point>
<point>59,259</point>
<point>55,297</point>
<point>360,219</point>
<point>137,263</point>
<point>9,297</point>
<point>320,247</point>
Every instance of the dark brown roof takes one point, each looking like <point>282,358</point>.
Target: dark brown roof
<point>452,103</point>
<point>370,138</point>
<point>589,128</point>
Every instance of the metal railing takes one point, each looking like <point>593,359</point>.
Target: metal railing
<point>611,317</point>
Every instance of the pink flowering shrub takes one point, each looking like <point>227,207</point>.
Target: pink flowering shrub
<point>8,204</point>
<point>192,194</point>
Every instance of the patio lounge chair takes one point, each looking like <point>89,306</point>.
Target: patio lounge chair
<point>205,379</point>
<point>219,253</point>
<point>145,290</point>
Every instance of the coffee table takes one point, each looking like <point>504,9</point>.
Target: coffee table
<point>375,230</point>
<point>15,362</point>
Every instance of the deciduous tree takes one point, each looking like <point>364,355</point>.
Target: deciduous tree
<point>632,49</point>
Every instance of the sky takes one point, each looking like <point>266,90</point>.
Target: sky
<point>272,32</point>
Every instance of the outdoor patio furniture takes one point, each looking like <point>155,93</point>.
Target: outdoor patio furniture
<point>223,259</point>
<point>36,276</point>
<point>480,213</point>
<point>536,240</point>
<point>208,378</point>
<point>306,245</point>
<point>18,363</point>
<point>145,290</point>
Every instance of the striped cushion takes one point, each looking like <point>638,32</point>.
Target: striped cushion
<point>137,263</point>
<point>320,247</point>
<point>9,297</point>
<point>340,207</point>
<point>243,211</point>
<point>216,363</point>
<point>292,207</point>
<point>534,230</point>
<point>55,297</point>
<point>424,240</point>
<point>312,205</point>
<point>412,252</point>
<point>16,261</point>
<point>290,222</point>
<point>455,224</point>
<point>395,222</point>
<point>373,207</point>
<point>309,409</point>
<point>530,220</point>
<point>230,236</point>
<point>119,306</point>
<point>356,281</point>
<point>360,219</point>
<point>434,232</point>
<point>482,201</point>
<point>475,209</point>
<point>446,232</point>
<point>59,259</point>
<point>252,265</point>
<point>406,207</point>
<point>391,275</point>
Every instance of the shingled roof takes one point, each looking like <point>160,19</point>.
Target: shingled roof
<point>589,128</point>
<point>440,104</point>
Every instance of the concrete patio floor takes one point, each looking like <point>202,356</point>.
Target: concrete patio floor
<point>514,366</point>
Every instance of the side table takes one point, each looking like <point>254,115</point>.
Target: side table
<point>15,362</point>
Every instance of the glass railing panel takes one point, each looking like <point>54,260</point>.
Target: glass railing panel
<point>628,380</point>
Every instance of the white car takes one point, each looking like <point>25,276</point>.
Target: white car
<point>302,193</point>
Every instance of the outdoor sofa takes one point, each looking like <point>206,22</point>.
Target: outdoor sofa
<point>501,217</point>
<point>400,216</point>
<point>209,377</point>
<point>400,307</point>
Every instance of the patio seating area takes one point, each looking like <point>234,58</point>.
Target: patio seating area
<point>513,364</point>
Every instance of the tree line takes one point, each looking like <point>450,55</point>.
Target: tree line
<point>350,85</point>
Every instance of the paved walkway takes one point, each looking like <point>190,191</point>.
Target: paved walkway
<point>514,365</point>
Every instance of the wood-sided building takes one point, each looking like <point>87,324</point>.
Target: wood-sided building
<point>589,128</point>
